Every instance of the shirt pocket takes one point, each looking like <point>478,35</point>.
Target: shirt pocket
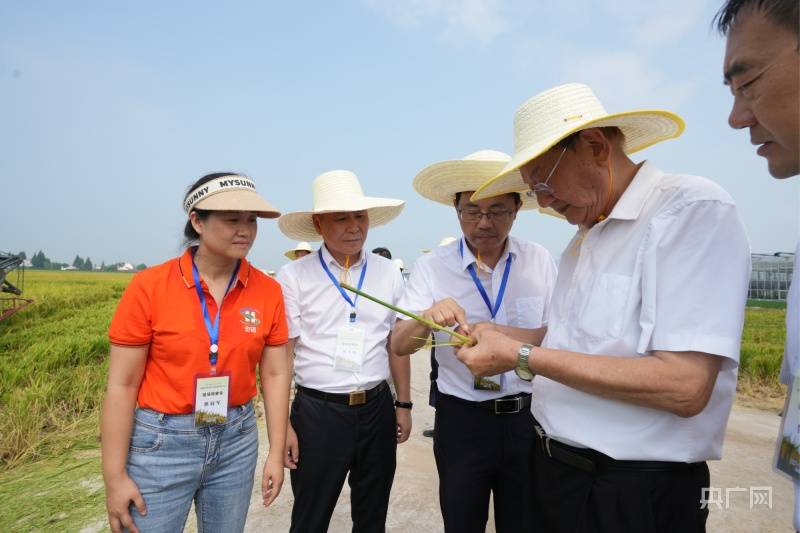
<point>603,314</point>
<point>529,312</point>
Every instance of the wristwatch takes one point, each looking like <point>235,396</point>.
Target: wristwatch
<point>522,370</point>
<point>403,405</point>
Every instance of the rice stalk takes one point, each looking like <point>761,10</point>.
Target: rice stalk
<point>465,341</point>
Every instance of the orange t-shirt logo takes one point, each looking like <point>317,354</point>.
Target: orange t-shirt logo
<point>249,319</point>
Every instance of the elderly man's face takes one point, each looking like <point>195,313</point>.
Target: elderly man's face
<point>344,233</point>
<point>762,67</point>
<point>580,188</point>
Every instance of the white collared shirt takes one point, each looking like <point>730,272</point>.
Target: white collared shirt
<point>791,354</point>
<point>668,270</point>
<point>443,273</point>
<point>315,310</point>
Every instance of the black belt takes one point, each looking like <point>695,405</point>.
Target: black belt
<point>359,397</point>
<point>592,461</point>
<point>507,405</point>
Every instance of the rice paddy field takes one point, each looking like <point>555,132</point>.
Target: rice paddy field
<point>53,361</point>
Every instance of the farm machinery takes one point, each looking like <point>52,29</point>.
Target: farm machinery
<point>11,304</point>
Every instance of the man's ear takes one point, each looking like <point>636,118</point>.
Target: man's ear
<point>315,221</point>
<point>598,144</point>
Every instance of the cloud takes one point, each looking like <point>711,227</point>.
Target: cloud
<point>625,79</point>
<point>656,22</point>
<point>459,20</point>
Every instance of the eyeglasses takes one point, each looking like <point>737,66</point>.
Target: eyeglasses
<point>497,214</point>
<point>543,187</point>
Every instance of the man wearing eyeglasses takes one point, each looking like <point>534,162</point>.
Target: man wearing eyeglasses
<point>483,429</point>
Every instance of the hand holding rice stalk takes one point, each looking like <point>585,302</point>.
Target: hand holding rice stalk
<point>463,340</point>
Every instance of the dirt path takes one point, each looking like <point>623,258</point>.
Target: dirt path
<point>415,504</point>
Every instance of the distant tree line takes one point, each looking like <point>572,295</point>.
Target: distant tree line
<point>39,260</point>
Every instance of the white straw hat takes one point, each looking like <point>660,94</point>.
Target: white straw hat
<point>337,191</point>
<point>299,247</point>
<point>231,192</point>
<point>550,116</point>
<point>444,242</point>
<point>441,181</point>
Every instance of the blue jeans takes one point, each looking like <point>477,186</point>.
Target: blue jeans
<point>173,462</point>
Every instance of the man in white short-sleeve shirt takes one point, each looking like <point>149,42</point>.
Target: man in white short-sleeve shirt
<point>762,68</point>
<point>343,421</point>
<point>636,373</point>
<point>483,430</point>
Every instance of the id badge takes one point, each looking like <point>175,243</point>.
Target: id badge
<point>211,400</point>
<point>787,449</point>
<point>349,354</point>
<point>490,383</point>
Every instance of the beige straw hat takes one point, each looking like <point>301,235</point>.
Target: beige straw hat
<point>336,191</point>
<point>550,116</point>
<point>441,181</point>
<point>299,247</point>
<point>444,242</point>
<point>232,192</point>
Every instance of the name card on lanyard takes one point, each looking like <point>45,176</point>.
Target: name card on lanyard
<point>787,450</point>
<point>211,390</point>
<point>489,383</point>
<point>349,354</point>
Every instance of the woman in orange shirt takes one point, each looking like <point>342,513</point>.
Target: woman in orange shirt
<point>178,423</point>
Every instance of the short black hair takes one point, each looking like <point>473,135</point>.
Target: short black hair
<point>381,250</point>
<point>781,12</point>
<point>190,236</point>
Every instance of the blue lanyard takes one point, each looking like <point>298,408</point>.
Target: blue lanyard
<point>212,327</point>
<point>341,290</point>
<point>503,282</point>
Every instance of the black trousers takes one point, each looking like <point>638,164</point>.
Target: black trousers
<point>616,500</point>
<point>477,453</point>
<point>335,440</point>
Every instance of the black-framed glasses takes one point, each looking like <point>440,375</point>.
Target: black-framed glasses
<point>498,214</point>
<point>543,187</point>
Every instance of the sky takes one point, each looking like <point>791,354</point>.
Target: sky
<point>110,110</point>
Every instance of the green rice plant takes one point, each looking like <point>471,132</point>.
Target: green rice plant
<point>53,363</point>
<point>769,304</point>
<point>57,494</point>
<point>463,339</point>
<point>762,345</point>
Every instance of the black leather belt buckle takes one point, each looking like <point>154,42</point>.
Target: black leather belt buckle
<point>508,406</point>
<point>358,397</point>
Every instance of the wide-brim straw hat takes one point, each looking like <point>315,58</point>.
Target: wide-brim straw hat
<point>441,181</point>
<point>299,247</point>
<point>232,192</point>
<point>550,116</point>
<point>444,242</point>
<point>333,192</point>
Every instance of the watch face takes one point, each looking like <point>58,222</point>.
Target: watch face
<point>524,374</point>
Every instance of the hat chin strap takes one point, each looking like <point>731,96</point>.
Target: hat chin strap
<point>603,216</point>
